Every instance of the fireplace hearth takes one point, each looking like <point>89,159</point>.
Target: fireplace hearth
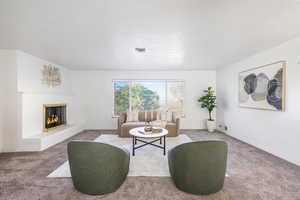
<point>55,116</point>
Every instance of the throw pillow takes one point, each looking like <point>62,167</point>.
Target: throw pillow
<point>156,123</point>
<point>174,116</point>
<point>132,116</point>
<point>129,117</point>
<point>135,116</point>
<point>163,116</point>
<point>169,116</point>
<point>158,115</point>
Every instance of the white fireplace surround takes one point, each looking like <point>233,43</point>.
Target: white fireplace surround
<point>44,140</point>
<point>32,118</point>
<point>24,99</point>
<point>34,95</point>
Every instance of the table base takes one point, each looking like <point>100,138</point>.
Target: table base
<point>135,139</point>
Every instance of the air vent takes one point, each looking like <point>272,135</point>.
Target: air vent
<point>141,50</point>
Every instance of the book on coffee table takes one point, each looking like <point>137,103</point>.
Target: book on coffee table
<point>154,130</point>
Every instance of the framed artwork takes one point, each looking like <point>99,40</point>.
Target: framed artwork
<point>263,87</point>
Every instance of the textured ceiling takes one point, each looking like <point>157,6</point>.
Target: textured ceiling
<point>177,34</point>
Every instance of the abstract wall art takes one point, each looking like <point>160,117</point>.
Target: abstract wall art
<point>263,87</point>
<point>51,76</point>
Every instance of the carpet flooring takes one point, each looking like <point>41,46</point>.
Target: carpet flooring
<point>149,160</point>
<point>252,175</point>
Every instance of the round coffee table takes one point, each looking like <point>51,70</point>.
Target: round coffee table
<point>138,133</point>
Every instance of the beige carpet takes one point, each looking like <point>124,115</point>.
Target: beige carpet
<point>148,160</point>
<point>253,175</point>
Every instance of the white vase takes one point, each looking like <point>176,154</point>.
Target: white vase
<point>211,125</point>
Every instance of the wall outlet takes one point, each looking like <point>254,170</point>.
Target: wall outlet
<point>223,127</point>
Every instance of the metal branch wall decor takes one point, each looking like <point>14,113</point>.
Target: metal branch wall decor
<point>263,87</point>
<point>51,76</point>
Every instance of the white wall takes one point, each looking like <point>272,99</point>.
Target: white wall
<point>275,132</point>
<point>2,100</point>
<point>1,110</point>
<point>9,111</point>
<point>22,97</point>
<point>95,91</point>
<point>30,76</point>
<point>35,94</point>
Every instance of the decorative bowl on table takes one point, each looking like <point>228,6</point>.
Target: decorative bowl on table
<point>156,130</point>
<point>148,128</point>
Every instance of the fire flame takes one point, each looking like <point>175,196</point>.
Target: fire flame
<point>53,119</point>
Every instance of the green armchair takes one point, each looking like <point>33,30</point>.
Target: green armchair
<point>97,168</point>
<point>199,167</point>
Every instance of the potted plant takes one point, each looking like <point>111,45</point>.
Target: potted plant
<point>208,101</point>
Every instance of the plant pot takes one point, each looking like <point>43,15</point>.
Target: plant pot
<point>211,125</point>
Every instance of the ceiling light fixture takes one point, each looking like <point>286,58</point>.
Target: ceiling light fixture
<point>140,50</point>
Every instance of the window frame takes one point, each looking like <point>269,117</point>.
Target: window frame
<point>131,81</point>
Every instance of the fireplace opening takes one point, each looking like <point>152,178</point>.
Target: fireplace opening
<point>55,116</point>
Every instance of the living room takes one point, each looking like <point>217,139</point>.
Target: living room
<point>200,98</point>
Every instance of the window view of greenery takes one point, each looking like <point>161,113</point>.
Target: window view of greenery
<point>121,98</point>
<point>175,93</point>
<point>148,95</point>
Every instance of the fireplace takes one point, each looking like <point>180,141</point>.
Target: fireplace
<point>55,116</point>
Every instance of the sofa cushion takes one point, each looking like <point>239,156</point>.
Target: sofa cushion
<point>154,115</point>
<point>133,124</point>
<point>132,117</point>
<point>142,116</point>
<point>169,116</point>
<point>157,123</point>
<point>171,124</point>
<point>126,127</point>
<point>147,116</point>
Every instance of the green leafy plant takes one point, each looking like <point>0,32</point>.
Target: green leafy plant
<point>141,99</point>
<point>208,101</point>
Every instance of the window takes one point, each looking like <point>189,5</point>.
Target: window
<point>148,95</point>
